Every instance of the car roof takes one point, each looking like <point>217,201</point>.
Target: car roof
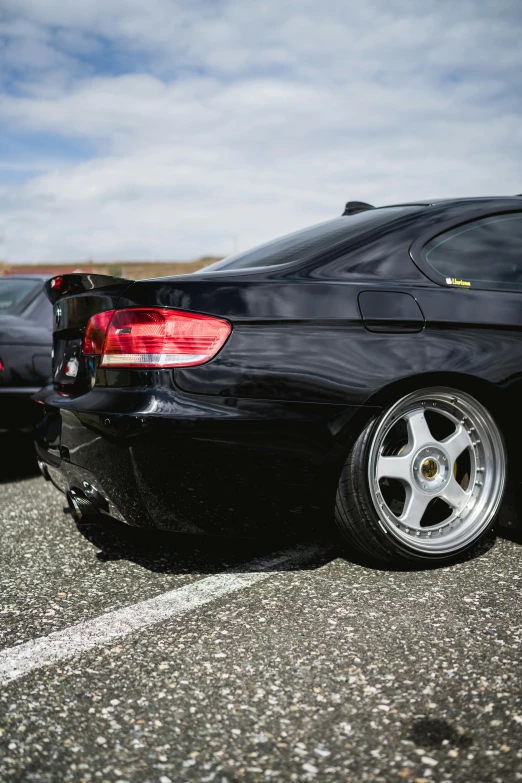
<point>517,199</point>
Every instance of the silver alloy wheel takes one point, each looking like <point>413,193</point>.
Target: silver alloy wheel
<point>462,475</point>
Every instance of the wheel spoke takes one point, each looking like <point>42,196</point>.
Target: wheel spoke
<point>418,430</point>
<point>394,467</point>
<point>414,508</point>
<point>455,495</point>
<point>415,493</point>
<point>457,443</point>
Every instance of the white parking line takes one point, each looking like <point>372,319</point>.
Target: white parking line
<point>16,662</point>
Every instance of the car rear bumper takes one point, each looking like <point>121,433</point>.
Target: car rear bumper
<point>197,464</point>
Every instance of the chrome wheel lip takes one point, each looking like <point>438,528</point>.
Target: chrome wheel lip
<point>488,469</point>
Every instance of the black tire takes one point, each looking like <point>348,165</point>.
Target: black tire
<point>357,518</point>
<point>355,515</point>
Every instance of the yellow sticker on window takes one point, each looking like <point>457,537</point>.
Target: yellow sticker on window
<point>455,281</point>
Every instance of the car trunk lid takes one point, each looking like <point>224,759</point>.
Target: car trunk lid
<point>76,298</point>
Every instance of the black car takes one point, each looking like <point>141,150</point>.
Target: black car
<point>367,370</point>
<point>26,324</point>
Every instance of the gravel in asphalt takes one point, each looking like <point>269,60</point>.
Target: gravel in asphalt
<point>53,575</point>
<point>327,672</point>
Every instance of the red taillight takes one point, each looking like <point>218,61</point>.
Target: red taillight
<point>95,333</point>
<point>154,337</point>
<point>57,282</point>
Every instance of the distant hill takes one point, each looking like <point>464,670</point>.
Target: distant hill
<point>134,270</point>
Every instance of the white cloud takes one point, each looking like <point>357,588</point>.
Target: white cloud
<point>232,122</point>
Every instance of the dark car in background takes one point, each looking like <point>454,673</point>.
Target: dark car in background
<point>25,350</point>
<point>368,369</point>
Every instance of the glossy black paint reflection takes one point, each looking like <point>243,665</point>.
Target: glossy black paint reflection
<point>257,437</point>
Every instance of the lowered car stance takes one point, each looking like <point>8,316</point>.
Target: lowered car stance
<point>25,350</point>
<point>364,372</point>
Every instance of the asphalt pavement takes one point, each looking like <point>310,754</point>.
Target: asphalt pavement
<point>131,657</point>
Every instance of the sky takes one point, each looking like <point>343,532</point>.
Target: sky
<point>171,129</point>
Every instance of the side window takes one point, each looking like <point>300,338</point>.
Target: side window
<point>485,253</point>
<point>40,311</point>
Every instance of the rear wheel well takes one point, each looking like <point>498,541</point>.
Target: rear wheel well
<point>483,391</point>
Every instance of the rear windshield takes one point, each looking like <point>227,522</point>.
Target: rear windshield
<point>16,293</point>
<point>309,242</point>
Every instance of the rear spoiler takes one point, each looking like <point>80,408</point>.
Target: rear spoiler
<point>79,282</point>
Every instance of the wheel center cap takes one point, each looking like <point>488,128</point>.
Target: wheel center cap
<point>431,469</point>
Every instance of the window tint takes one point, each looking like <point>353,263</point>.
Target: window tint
<point>40,311</point>
<point>309,242</point>
<point>14,294</point>
<point>487,252</point>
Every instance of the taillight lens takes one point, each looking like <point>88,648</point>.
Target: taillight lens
<point>154,337</point>
<point>57,282</point>
<point>95,333</point>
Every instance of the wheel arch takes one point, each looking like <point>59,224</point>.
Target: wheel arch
<point>490,395</point>
<point>484,391</point>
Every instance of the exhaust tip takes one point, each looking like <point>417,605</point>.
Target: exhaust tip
<point>44,470</point>
<point>80,507</point>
